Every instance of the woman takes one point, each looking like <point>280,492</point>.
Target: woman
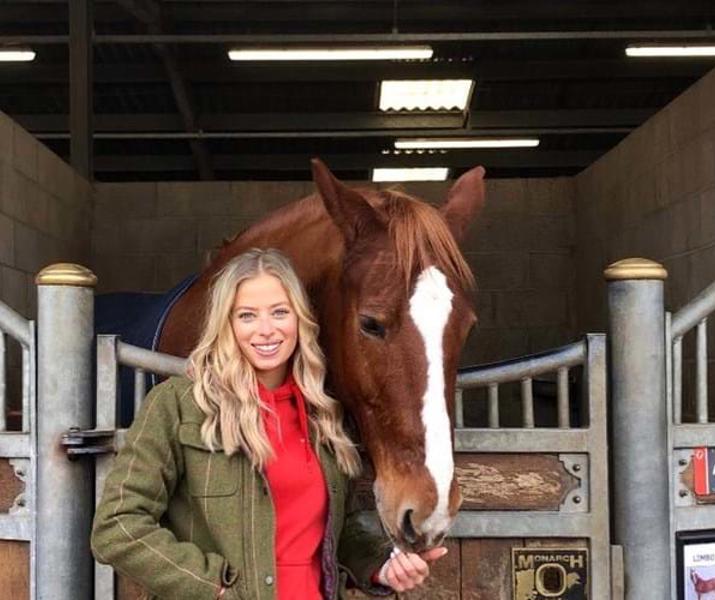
<point>232,484</point>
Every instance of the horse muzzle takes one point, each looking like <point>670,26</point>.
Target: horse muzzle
<point>416,522</point>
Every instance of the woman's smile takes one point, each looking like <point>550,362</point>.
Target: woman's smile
<point>267,349</point>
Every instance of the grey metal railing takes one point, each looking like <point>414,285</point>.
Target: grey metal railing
<point>112,354</point>
<point>20,447</point>
<point>685,436</point>
<point>22,331</point>
<point>523,370</point>
<point>582,450</point>
<point>693,316</point>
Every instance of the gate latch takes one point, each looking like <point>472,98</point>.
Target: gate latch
<point>79,442</point>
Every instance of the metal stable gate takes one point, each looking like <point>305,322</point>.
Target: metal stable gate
<point>18,448</point>
<point>58,375</point>
<point>581,448</point>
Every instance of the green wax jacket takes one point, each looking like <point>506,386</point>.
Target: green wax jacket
<point>183,521</point>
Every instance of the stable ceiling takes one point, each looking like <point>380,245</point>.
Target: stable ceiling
<point>168,104</point>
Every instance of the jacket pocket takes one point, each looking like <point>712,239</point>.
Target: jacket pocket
<point>207,473</point>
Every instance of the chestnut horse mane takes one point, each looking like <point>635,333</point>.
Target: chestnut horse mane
<point>418,231</point>
<point>421,238</point>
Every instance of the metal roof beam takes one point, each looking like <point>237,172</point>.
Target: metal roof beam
<point>481,70</point>
<point>370,38</point>
<point>376,11</point>
<point>345,162</point>
<point>81,111</point>
<point>328,124</point>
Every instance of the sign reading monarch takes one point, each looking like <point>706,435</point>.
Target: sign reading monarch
<point>550,573</point>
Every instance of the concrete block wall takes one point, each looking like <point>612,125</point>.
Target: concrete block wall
<point>652,196</point>
<point>45,214</point>
<point>45,217</point>
<point>148,236</point>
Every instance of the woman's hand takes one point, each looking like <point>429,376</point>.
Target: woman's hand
<point>405,570</point>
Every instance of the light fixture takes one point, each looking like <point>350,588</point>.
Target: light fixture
<point>457,143</point>
<point>410,174</point>
<point>425,94</point>
<point>318,53</point>
<point>670,51</point>
<point>16,55</point>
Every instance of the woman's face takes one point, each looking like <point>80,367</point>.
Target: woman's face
<point>265,326</point>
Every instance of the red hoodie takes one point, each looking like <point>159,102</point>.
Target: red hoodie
<point>299,493</point>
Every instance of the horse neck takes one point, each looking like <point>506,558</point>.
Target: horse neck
<point>302,230</point>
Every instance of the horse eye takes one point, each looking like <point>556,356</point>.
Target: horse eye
<point>371,326</point>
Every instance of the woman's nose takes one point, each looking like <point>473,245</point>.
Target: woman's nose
<point>265,326</point>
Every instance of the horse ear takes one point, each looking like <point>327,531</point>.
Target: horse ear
<point>464,201</point>
<point>348,209</point>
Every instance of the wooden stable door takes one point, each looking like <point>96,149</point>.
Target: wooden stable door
<point>14,556</point>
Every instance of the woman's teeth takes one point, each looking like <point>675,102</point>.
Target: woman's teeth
<point>266,348</point>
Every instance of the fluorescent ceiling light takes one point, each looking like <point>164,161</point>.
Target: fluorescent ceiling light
<point>355,53</point>
<point>670,51</point>
<point>425,94</point>
<point>449,143</point>
<point>413,174</point>
<point>16,55</point>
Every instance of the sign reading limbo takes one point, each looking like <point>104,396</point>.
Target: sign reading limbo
<point>699,571</point>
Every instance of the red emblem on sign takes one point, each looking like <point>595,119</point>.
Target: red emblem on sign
<point>701,470</point>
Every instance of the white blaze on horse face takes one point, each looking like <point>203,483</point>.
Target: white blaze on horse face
<point>430,307</point>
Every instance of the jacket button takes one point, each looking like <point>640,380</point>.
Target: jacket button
<point>269,579</point>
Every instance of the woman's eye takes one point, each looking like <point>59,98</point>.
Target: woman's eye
<point>372,326</point>
<point>281,312</point>
<point>245,316</point>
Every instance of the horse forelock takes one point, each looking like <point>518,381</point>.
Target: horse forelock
<point>421,238</point>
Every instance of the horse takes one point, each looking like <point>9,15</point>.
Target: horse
<point>702,586</point>
<point>392,294</point>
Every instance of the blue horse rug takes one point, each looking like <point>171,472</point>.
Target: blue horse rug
<point>139,319</point>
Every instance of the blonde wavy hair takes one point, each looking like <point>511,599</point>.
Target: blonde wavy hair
<point>225,383</point>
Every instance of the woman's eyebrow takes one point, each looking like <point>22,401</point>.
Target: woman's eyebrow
<point>242,307</point>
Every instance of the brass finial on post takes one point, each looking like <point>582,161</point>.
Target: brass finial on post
<point>66,274</point>
<point>635,268</point>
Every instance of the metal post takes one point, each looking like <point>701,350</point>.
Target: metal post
<point>64,488</point>
<point>639,425</point>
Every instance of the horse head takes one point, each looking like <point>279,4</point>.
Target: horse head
<point>400,312</point>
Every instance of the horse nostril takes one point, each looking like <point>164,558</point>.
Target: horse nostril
<point>407,528</point>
